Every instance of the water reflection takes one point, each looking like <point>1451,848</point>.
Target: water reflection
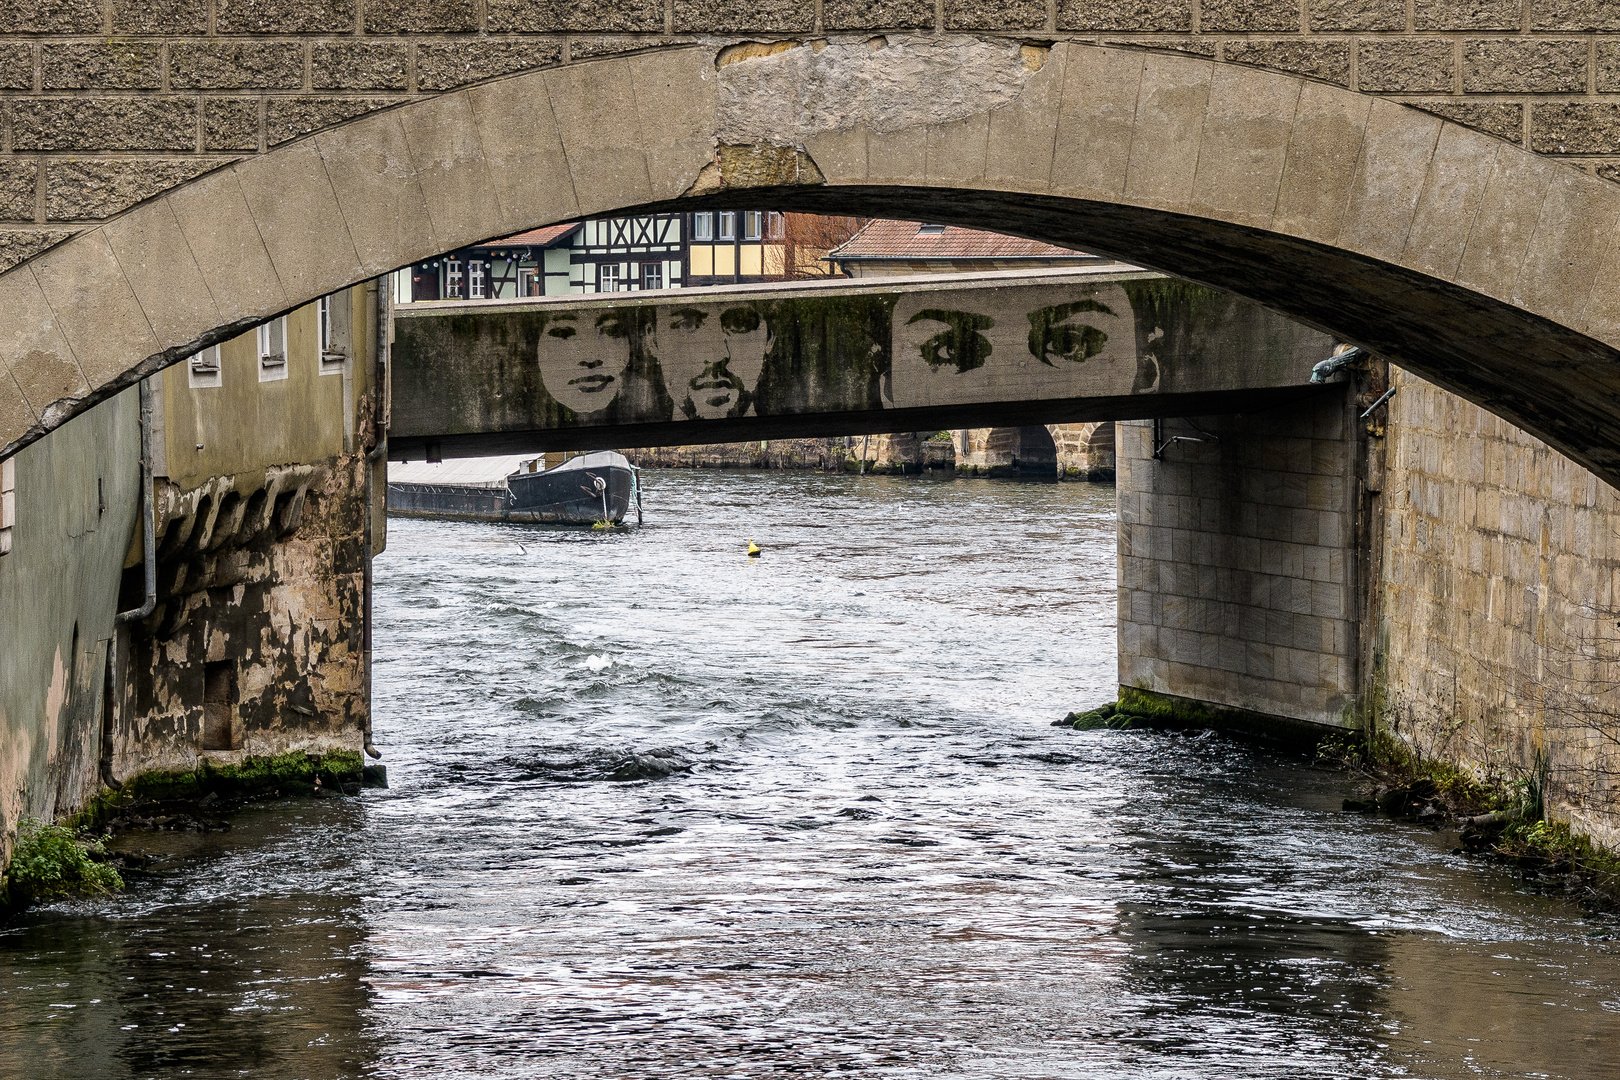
<point>662,811</point>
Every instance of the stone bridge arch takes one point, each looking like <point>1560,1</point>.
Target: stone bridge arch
<point>1475,263</point>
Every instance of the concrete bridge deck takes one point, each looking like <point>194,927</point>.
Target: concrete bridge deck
<point>837,357</point>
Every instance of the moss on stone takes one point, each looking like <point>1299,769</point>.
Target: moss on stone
<point>294,773</point>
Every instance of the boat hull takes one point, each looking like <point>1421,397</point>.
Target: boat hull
<point>556,497</point>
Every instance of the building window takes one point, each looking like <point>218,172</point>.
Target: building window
<point>273,350</point>
<point>475,279</point>
<point>203,370</point>
<point>607,277</point>
<point>529,282</point>
<point>8,502</point>
<point>930,230</point>
<point>652,275</point>
<point>753,224</point>
<point>774,226</point>
<point>728,225</point>
<point>703,226</point>
<point>334,323</point>
<point>452,279</point>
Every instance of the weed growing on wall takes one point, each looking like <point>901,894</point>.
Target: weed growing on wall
<point>51,862</point>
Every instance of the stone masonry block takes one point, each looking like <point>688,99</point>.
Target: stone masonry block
<point>420,17</point>
<point>103,65</point>
<point>1521,66</point>
<point>160,16</point>
<point>284,16</point>
<point>236,65</point>
<point>291,118</point>
<point>1608,66</point>
<point>1250,15</point>
<point>1575,127</point>
<point>1468,14</point>
<point>144,123</point>
<point>881,15</point>
<point>1328,61</point>
<point>1357,14</point>
<point>994,14</point>
<point>1168,16</point>
<point>17,245</point>
<point>580,16</point>
<point>1411,67</point>
<point>18,183</point>
<point>360,66</point>
<point>89,188</point>
<point>743,16</point>
<point>16,66</point>
<point>230,124</point>
<point>50,17</point>
<point>442,65</point>
<point>1502,119</point>
<point>585,48</point>
<point>1574,15</point>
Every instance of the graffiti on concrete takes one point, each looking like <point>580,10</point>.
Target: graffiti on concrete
<point>615,360</point>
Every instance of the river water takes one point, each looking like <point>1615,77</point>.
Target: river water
<point>658,810</point>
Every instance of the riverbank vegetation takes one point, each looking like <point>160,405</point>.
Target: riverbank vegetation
<point>1505,817</point>
<point>53,862</point>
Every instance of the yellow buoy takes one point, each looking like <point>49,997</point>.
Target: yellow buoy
<point>753,550</point>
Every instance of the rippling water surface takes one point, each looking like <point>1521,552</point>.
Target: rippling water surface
<point>658,810</point>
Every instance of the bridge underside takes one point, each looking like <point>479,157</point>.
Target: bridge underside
<point>764,362</point>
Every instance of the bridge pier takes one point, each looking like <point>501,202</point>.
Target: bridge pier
<point>1238,588</point>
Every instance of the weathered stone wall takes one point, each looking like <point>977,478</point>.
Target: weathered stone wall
<point>105,104</point>
<point>1237,568</point>
<point>260,583</point>
<point>1499,603</point>
<point>905,452</point>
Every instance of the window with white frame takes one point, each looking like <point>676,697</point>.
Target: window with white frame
<point>774,225</point>
<point>728,225</point>
<point>334,320</point>
<point>8,502</point>
<point>475,279</point>
<point>607,277</point>
<point>652,275</point>
<point>452,279</point>
<point>703,226</point>
<point>273,350</point>
<point>203,369</point>
<point>753,224</point>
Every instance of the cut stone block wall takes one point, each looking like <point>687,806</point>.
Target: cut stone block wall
<point>1237,559</point>
<point>1498,609</point>
<point>164,88</point>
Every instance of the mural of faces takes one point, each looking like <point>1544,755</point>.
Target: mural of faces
<point>954,337</point>
<point>583,358</point>
<point>1059,333</point>
<point>712,359</point>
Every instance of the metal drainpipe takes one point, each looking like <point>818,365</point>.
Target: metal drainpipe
<point>149,571</point>
<point>377,453</point>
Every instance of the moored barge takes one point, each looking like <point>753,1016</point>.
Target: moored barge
<point>580,490</point>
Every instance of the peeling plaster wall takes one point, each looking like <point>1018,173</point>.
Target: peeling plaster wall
<point>77,509</point>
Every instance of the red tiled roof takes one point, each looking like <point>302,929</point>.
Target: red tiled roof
<point>535,237</point>
<point>886,239</point>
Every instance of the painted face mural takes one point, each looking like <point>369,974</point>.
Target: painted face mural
<point>942,337</point>
<point>1059,332</point>
<point>583,357</point>
<point>712,360</point>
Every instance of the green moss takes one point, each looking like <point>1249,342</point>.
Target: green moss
<point>1102,717</point>
<point>1169,711</point>
<point>51,862</point>
<point>294,773</point>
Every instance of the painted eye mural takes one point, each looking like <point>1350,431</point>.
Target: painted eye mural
<point>580,366</point>
<point>1055,333</point>
<point>713,362</point>
<point>960,342</point>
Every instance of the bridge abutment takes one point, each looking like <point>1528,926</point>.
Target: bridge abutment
<point>1237,563</point>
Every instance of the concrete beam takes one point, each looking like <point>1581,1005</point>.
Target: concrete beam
<point>775,361</point>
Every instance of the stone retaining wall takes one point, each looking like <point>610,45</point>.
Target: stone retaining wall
<point>1498,613</point>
